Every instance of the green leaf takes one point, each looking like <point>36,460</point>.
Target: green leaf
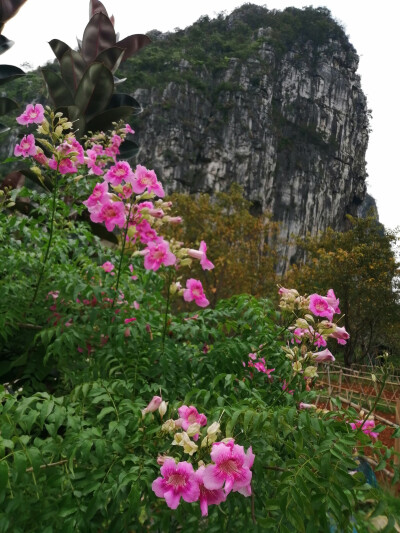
<point>7,105</point>
<point>99,35</point>
<point>20,463</point>
<point>3,476</point>
<point>105,411</point>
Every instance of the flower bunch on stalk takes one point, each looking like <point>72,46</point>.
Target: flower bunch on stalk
<point>222,466</point>
<point>124,198</point>
<point>309,332</point>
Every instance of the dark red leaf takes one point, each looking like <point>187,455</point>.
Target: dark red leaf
<point>99,35</point>
<point>59,48</point>
<point>132,44</point>
<point>96,7</point>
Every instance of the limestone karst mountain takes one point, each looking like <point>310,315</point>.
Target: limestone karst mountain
<point>268,99</point>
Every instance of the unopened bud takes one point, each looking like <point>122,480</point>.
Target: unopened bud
<point>163,408</point>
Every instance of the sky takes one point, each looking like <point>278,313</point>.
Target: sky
<point>371,26</point>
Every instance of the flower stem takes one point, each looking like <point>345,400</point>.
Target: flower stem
<point>166,311</point>
<point>53,213</point>
<point>122,256</point>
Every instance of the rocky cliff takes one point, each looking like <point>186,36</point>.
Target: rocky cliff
<point>268,99</point>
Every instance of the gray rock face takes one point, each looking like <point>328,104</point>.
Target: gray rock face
<point>291,128</point>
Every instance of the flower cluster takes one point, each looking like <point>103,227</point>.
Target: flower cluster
<point>259,364</point>
<point>309,333</point>
<point>367,427</point>
<point>229,468</point>
<point>124,198</point>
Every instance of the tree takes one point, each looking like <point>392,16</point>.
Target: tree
<point>361,267</point>
<point>237,243</point>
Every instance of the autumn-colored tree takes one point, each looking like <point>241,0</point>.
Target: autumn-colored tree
<point>237,243</point>
<point>361,267</point>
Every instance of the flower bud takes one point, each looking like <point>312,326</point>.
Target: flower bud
<point>153,405</point>
<point>310,372</point>
<point>213,429</point>
<point>193,429</point>
<point>163,408</point>
<point>168,426</point>
<point>296,366</point>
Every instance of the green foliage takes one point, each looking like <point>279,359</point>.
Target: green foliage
<point>74,443</point>
<point>361,266</point>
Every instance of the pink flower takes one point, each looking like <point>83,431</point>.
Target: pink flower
<point>320,307</point>
<point>190,415</point>
<point>367,427</point>
<point>323,357</point>
<point>340,334</point>
<point>128,129</point>
<point>145,178</point>
<point>129,320</point>
<point>119,172</point>
<point>201,254</point>
<point>90,161</point>
<point>194,291</point>
<point>65,166</point>
<point>232,467</point>
<point>333,301</point>
<point>285,386</point>
<point>111,213</point>
<point>26,147</point>
<point>33,114</point>
<point>107,266</point>
<point>207,496</point>
<point>98,196</point>
<point>178,481</point>
<point>153,405</point>
<point>157,254</point>
<point>303,405</point>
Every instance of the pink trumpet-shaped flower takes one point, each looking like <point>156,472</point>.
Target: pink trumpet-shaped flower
<point>98,196</point>
<point>232,467</point>
<point>26,147</point>
<point>119,172</point>
<point>107,266</point>
<point>202,255</point>
<point>146,179</point>
<point>153,405</point>
<point>157,254</point>
<point>111,213</point>
<point>320,307</point>
<point>189,416</point>
<point>323,357</point>
<point>194,291</point>
<point>207,496</point>
<point>340,334</point>
<point>33,114</point>
<point>333,301</point>
<point>178,481</point>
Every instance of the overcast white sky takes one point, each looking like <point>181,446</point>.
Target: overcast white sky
<point>372,27</point>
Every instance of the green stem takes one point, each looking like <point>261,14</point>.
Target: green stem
<point>122,256</point>
<point>166,311</point>
<point>377,398</point>
<point>53,212</point>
